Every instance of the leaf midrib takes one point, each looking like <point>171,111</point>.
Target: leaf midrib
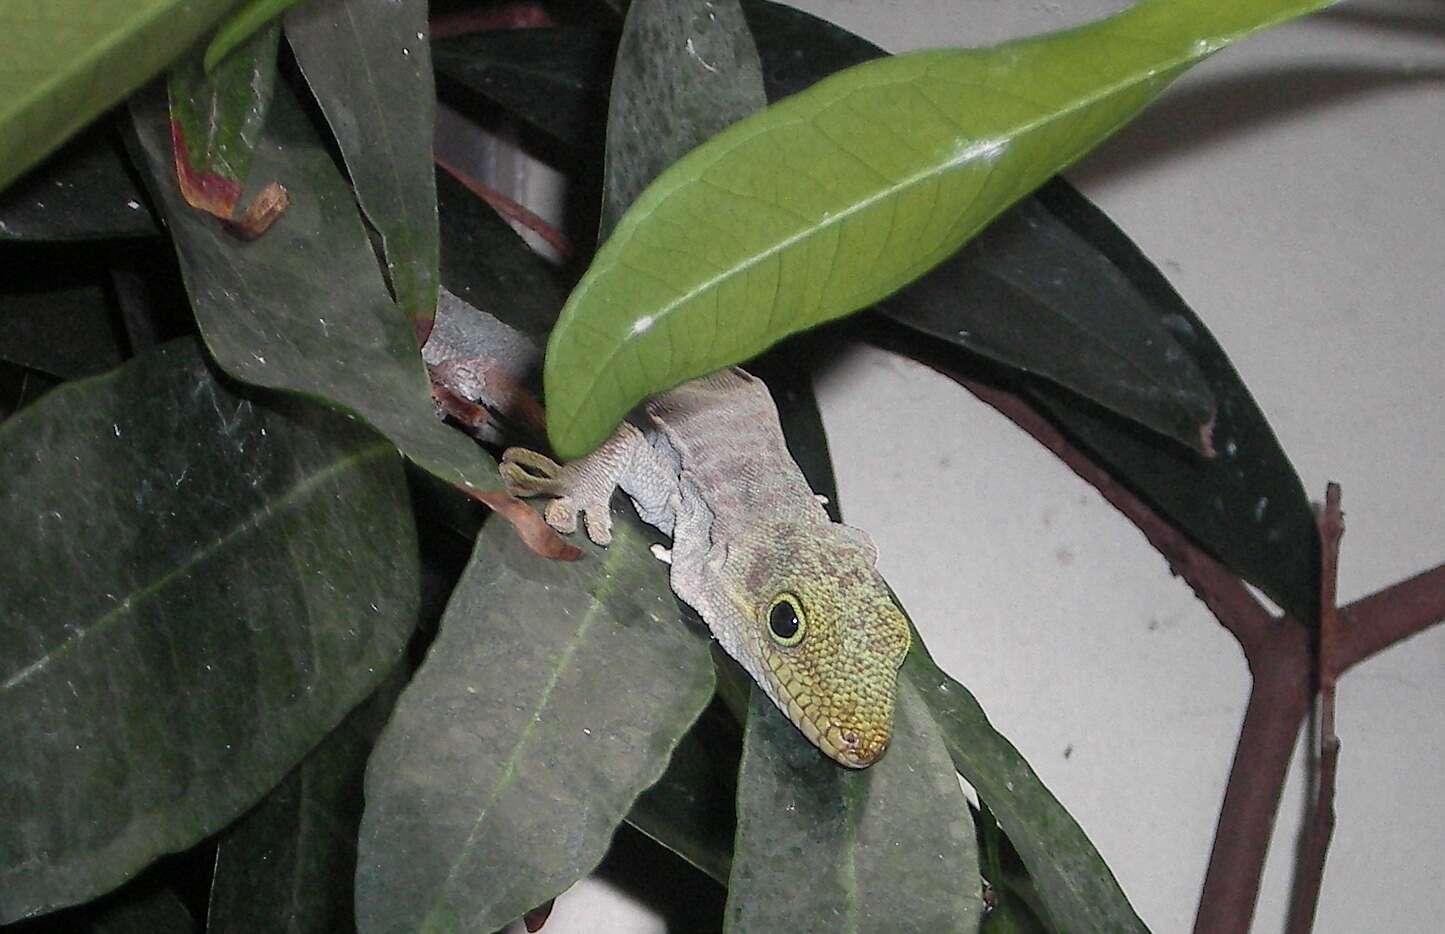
<point>251,522</point>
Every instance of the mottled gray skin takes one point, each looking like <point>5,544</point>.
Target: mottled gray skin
<point>710,468</point>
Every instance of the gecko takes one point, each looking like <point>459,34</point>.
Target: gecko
<point>794,597</point>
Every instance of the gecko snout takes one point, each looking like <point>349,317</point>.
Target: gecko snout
<point>858,750</point>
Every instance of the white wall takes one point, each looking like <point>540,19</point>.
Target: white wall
<point>1292,190</point>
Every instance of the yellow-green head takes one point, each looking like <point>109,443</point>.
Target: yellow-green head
<point>820,632</point>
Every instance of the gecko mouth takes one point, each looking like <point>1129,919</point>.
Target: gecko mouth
<point>848,746</point>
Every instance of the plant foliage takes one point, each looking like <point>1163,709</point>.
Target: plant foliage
<point>215,561</point>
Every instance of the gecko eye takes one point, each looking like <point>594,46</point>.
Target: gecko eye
<point>785,620</point>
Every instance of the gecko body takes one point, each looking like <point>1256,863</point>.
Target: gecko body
<point>795,598</point>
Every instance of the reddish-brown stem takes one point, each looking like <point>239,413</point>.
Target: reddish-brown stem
<point>1385,617</point>
<point>1216,586</point>
<point>510,209</point>
<point>1276,649</point>
<point>1278,702</point>
<point>1320,822</point>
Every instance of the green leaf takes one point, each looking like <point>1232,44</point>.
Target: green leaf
<point>218,117</point>
<point>1072,878</point>
<point>555,79</point>
<point>686,70</point>
<point>240,26</point>
<point>369,65</point>
<point>199,586</point>
<point>82,192</point>
<point>304,308</point>
<point>1004,296</point>
<point>836,197</point>
<point>63,62</point>
<point>552,697</point>
<point>820,847</point>
<point>290,864</point>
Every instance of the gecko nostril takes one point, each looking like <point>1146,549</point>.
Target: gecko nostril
<point>850,738</point>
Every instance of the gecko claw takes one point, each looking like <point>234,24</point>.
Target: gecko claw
<point>583,488</point>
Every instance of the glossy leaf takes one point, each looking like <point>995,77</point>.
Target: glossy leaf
<point>82,192</point>
<point>63,62</point>
<point>1072,878</point>
<point>369,65</point>
<point>556,79</point>
<point>686,70</point>
<point>290,864</point>
<point>199,586</point>
<point>1024,292</point>
<point>304,307</point>
<point>835,197</point>
<point>819,847</point>
<point>1247,505</point>
<point>241,25</point>
<point>551,698</point>
<point>1112,288</point>
<point>217,119</point>
<point>1033,294</point>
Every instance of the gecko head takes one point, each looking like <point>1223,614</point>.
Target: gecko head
<point>820,632</point>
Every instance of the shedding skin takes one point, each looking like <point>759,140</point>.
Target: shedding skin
<point>710,468</point>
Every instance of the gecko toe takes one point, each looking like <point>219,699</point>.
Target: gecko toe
<point>561,515</point>
<point>599,524</point>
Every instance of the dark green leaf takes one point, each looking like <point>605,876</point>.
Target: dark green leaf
<point>1247,505</point>
<point>369,65</point>
<point>198,586</point>
<point>799,50</point>
<point>838,196</point>
<point>486,264</point>
<point>1072,878</point>
<point>1011,915</point>
<point>145,910</point>
<point>68,331</point>
<point>690,809</point>
<point>217,119</point>
<point>686,70</point>
<point>290,864</point>
<point>555,79</point>
<point>304,307</point>
<point>67,64</point>
<point>819,847</point>
<point>552,697</point>
<point>83,192</point>
<point>1033,294</point>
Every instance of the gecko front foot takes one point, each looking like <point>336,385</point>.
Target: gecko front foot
<point>584,486</point>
